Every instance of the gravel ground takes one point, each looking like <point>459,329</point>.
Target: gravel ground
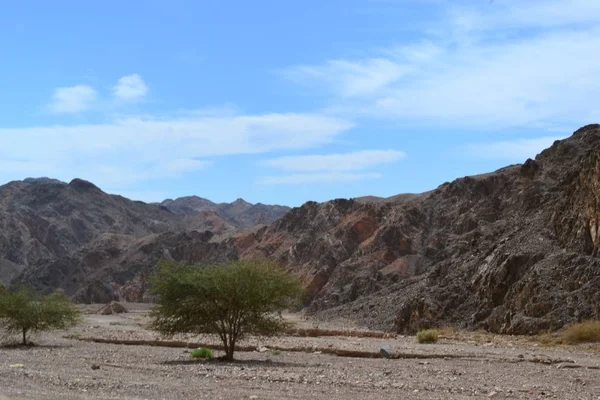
<point>500,368</point>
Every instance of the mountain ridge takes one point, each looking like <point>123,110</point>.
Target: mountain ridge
<point>511,251</point>
<point>240,211</point>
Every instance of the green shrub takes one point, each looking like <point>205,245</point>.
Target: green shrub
<point>428,336</point>
<point>275,352</point>
<point>203,352</point>
<point>583,332</point>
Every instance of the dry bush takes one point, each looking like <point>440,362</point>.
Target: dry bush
<point>583,332</point>
<point>428,336</point>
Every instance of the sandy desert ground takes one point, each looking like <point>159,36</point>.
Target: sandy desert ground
<point>64,365</point>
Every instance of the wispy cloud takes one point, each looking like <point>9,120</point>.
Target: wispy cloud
<point>336,162</point>
<point>350,78</point>
<point>130,87</point>
<point>131,150</point>
<point>72,99</point>
<point>330,177</point>
<point>516,150</point>
<point>509,63</point>
<point>330,167</point>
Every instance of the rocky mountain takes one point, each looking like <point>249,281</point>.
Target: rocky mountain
<point>51,231</point>
<point>512,251</point>
<point>239,212</point>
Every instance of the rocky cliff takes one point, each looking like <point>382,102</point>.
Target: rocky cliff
<point>513,251</point>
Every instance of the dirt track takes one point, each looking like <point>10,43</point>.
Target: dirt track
<point>498,368</point>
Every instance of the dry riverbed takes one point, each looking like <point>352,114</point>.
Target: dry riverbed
<point>460,366</point>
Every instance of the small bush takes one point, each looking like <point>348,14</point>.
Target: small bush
<point>583,332</point>
<point>203,352</point>
<point>428,336</point>
<point>275,352</point>
<point>25,311</point>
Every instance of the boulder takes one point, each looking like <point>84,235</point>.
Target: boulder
<point>112,308</point>
<point>387,352</point>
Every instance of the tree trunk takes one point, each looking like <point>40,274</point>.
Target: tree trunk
<point>227,347</point>
<point>231,348</point>
<point>24,337</point>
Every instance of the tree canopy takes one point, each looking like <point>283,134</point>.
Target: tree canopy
<point>230,300</point>
<point>25,311</point>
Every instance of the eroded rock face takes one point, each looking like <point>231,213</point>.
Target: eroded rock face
<point>511,251</point>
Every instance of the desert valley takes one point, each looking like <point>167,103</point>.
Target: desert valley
<point>499,263</point>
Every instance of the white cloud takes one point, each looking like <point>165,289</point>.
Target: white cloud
<point>130,87</point>
<point>536,14</point>
<point>72,99</point>
<point>516,150</point>
<point>351,79</point>
<point>132,150</point>
<point>498,65</point>
<point>329,167</point>
<point>336,162</point>
<point>329,177</point>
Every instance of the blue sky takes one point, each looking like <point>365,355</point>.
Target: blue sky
<point>288,101</point>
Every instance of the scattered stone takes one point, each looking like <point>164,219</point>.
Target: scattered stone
<point>95,367</point>
<point>263,349</point>
<point>386,352</point>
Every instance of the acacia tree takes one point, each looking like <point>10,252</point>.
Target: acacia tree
<point>230,300</point>
<point>25,311</point>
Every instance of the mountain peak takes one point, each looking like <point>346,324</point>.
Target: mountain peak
<point>240,201</point>
<point>83,185</point>
<point>43,180</point>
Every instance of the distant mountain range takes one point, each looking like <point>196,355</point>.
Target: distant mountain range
<point>239,212</point>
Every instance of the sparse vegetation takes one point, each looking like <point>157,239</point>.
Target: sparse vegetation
<point>229,300</point>
<point>275,352</point>
<point>203,352</point>
<point>447,331</point>
<point>583,332</point>
<point>428,336</point>
<point>25,311</point>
